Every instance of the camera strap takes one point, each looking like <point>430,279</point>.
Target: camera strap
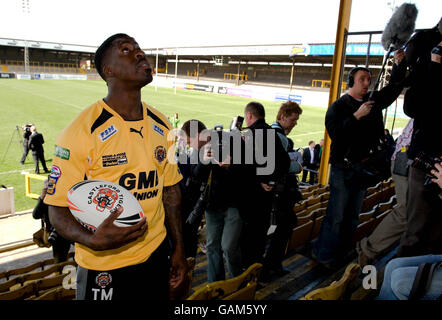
<point>208,186</point>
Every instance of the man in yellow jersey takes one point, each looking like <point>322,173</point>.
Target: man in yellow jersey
<point>122,140</point>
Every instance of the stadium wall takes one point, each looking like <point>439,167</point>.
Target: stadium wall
<point>302,95</point>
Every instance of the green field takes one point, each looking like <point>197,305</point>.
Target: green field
<point>52,104</point>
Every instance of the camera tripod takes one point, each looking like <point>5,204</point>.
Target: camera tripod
<point>15,132</point>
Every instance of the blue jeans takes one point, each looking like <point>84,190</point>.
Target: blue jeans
<point>223,230</point>
<point>342,216</point>
<point>399,277</point>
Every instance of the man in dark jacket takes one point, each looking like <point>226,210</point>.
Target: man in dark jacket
<point>26,135</point>
<point>191,184</point>
<point>422,102</point>
<point>355,126</point>
<point>286,195</point>
<point>270,163</point>
<point>223,221</point>
<point>36,145</point>
<point>309,159</point>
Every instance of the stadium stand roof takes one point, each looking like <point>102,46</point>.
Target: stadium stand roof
<point>46,45</point>
<point>304,53</point>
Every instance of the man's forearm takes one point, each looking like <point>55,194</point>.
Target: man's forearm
<point>66,225</point>
<point>172,210</point>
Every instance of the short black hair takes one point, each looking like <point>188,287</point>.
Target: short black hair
<point>101,52</point>
<point>352,73</point>
<point>256,108</point>
<point>187,124</point>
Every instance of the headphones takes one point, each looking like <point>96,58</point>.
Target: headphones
<point>351,75</point>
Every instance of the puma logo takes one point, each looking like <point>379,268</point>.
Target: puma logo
<point>139,132</point>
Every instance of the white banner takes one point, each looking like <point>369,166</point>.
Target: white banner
<point>23,76</point>
<point>50,76</point>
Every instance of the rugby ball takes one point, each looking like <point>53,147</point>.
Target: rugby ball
<point>91,201</point>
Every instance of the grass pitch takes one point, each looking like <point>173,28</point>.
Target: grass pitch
<point>52,104</point>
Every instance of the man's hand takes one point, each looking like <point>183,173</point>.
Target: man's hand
<point>207,154</point>
<point>178,269</point>
<point>438,174</point>
<point>224,164</point>
<point>363,110</point>
<point>109,236</point>
<point>266,187</point>
<point>436,57</point>
<point>399,55</point>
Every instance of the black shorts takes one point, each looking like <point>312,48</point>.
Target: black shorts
<point>148,280</point>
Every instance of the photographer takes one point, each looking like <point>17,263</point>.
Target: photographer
<point>223,221</point>
<point>27,133</point>
<point>355,126</point>
<point>60,246</point>
<point>191,185</point>
<point>286,194</point>
<point>422,99</point>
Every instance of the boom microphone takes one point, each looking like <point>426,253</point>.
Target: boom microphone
<point>400,27</point>
<point>396,33</point>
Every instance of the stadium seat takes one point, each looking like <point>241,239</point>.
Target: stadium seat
<point>308,194</point>
<point>223,289</point>
<point>337,289</point>
<point>380,217</point>
<point>20,293</point>
<point>382,207</point>
<point>299,207</point>
<point>300,236</point>
<point>367,215</point>
<point>29,277</point>
<point>304,219</point>
<point>364,229</point>
<point>313,200</point>
<point>325,196</point>
<point>19,271</point>
<point>316,227</point>
<point>58,293</point>
<point>246,293</point>
<point>314,207</point>
<point>370,201</point>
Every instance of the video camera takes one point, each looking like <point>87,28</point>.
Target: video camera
<point>221,147</point>
<point>26,127</point>
<point>221,143</point>
<point>426,164</point>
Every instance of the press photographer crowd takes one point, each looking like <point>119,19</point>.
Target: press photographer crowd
<point>236,189</point>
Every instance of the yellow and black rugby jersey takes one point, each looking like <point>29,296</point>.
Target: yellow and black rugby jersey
<point>100,144</point>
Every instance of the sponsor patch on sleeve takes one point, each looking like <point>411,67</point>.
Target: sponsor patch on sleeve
<point>62,153</point>
<point>53,178</point>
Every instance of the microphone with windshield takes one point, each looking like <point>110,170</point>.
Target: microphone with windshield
<point>396,33</point>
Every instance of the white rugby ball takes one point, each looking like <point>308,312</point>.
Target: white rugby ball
<point>91,201</point>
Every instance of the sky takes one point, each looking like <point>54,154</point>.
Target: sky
<point>178,23</point>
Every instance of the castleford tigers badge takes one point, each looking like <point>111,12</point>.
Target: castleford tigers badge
<point>105,199</point>
<point>103,279</point>
<point>160,153</point>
